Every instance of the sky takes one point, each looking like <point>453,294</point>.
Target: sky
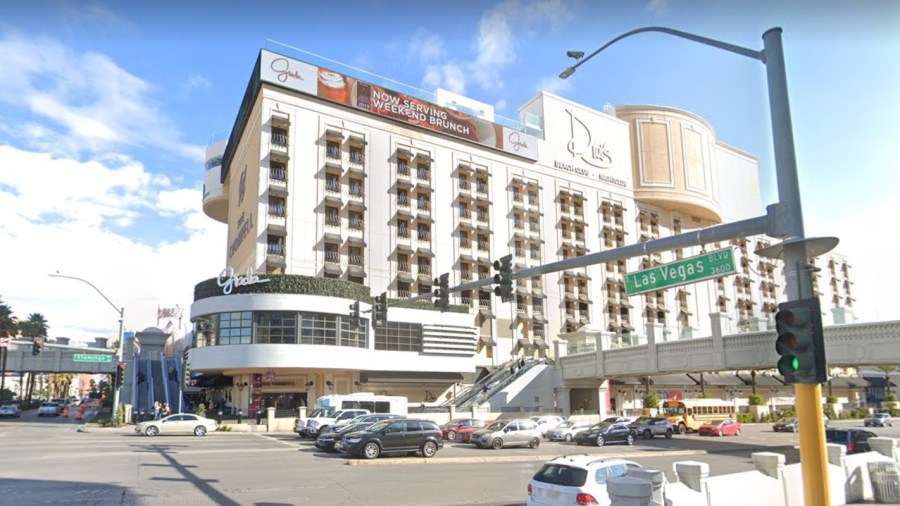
<point>106,109</point>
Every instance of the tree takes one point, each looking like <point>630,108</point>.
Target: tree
<point>35,326</point>
<point>7,320</point>
<point>651,400</point>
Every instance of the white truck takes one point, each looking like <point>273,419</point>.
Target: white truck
<point>332,409</point>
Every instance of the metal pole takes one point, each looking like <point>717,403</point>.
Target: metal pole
<point>813,458</point>
<point>119,348</point>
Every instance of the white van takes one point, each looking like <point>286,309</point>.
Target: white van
<point>330,409</point>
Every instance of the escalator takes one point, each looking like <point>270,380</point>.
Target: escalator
<point>496,382</point>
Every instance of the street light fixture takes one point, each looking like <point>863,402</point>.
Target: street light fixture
<point>119,347</point>
<point>787,224</point>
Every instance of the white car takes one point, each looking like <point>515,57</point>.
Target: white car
<point>10,410</point>
<point>566,431</point>
<point>48,409</point>
<point>576,479</point>
<point>180,423</point>
<point>547,422</point>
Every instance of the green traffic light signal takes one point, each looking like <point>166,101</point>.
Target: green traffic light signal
<point>801,342</point>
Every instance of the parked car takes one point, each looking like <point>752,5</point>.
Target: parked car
<point>547,422</point>
<point>855,440</point>
<point>179,423</point>
<point>320,419</point>
<point>619,419</point>
<point>62,403</point>
<point>464,434</point>
<point>879,420</point>
<point>450,430</point>
<point>575,479</point>
<point>334,434</point>
<point>726,427</point>
<point>604,432</point>
<point>648,427</point>
<point>371,418</point>
<point>48,408</point>
<point>393,436</point>
<point>522,432</point>
<point>10,411</point>
<point>566,431</point>
<point>792,424</point>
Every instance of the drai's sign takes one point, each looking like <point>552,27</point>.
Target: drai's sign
<point>593,174</point>
<point>227,280</point>
<point>583,145</point>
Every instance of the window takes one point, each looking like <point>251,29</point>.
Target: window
<point>318,329</point>
<point>356,155</point>
<point>333,150</point>
<point>332,217</point>
<point>332,255</point>
<point>279,136</point>
<point>332,183</point>
<point>402,198</point>
<point>276,327</point>
<point>398,336</point>
<point>403,228</point>
<point>275,245</point>
<point>276,171</point>
<point>276,206</point>
<point>235,328</point>
<point>403,166</point>
<point>356,256</point>
<point>356,220</point>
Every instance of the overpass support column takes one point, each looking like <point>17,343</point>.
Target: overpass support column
<point>654,335</point>
<point>721,326</point>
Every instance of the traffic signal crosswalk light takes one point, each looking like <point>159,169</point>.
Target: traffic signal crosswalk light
<point>380,309</point>
<point>800,342</point>
<point>37,346</point>
<point>120,374</point>
<point>503,278</point>
<point>442,294</point>
<point>354,315</point>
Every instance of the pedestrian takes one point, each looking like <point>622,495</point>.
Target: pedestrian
<point>521,362</point>
<point>165,409</point>
<point>156,410</point>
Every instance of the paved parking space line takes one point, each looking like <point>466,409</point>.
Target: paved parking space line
<point>270,438</point>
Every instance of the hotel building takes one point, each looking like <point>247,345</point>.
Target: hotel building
<point>336,189</point>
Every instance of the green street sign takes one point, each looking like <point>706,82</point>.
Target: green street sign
<point>690,270</point>
<point>81,357</point>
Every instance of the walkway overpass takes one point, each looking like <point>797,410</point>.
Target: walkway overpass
<point>587,357</point>
<point>58,358</point>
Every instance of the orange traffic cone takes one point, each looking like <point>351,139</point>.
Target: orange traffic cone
<point>66,412</point>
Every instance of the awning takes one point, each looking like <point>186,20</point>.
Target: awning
<point>333,268</point>
<point>540,344</point>
<point>409,377</point>
<point>424,251</point>
<point>405,277</point>
<point>488,340</point>
<point>332,237</point>
<point>213,381</point>
<point>680,380</point>
<point>357,271</point>
<point>359,241</point>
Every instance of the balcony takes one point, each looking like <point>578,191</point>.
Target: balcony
<point>332,220</point>
<point>481,188</point>
<point>357,191</point>
<point>517,197</point>
<point>333,152</point>
<point>520,252</point>
<point>275,248</point>
<point>482,217</point>
<point>277,173</point>
<point>465,243</point>
<point>333,187</point>
<point>357,260</point>
<point>425,269</point>
<point>423,174</point>
<point>404,294</point>
<point>403,232</point>
<point>423,205</point>
<point>403,201</point>
<point>357,223</point>
<point>332,257</point>
<point>279,139</point>
<point>423,235</point>
<point>465,214</point>
<point>403,266</point>
<point>483,246</point>
<point>464,184</point>
<point>518,224</point>
<point>276,210</point>
<point>466,275</point>
<point>532,200</point>
<point>357,158</point>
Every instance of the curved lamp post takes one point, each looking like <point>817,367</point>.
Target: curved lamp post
<point>788,224</point>
<point>119,347</point>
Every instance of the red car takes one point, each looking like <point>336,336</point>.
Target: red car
<point>451,429</point>
<point>721,428</point>
<point>464,434</point>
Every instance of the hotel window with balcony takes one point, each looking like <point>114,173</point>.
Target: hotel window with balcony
<point>518,221</point>
<point>403,289</point>
<point>332,217</point>
<point>481,185</point>
<point>424,288</point>
<point>332,253</point>
<point>402,166</point>
<point>356,188</point>
<point>279,136</point>
<point>403,262</point>
<point>356,156</point>
<point>465,271</point>
<point>519,248</point>
<point>578,206</point>
<point>517,194</point>
<point>533,225</point>
<point>332,183</point>
<point>423,231</point>
<point>333,150</point>
<point>534,252</point>
<point>275,245</point>
<point>423,203</point>
<point>532,197</point>
<point>402,198</point>
<point>465,241</point>
<point>464,211</point>
<point>463,181</point>
<point>276,207</point>
<point>482,214</point>
<point>483,243</point>
<point>403,228</point>
<point>423,172</point>
<point>277,171</point>
<point>484,271</point>
<point>356,256</point>
<point>424,265</point>
<point>356,220</point>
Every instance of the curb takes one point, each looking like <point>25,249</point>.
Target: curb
<point>506,458</point>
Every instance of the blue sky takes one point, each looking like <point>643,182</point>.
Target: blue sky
<point>106,109</point>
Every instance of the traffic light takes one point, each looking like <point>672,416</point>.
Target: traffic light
<point>801,342</point>
<point>37,346</point>
<point>186,369</point>
<point>443,292</point>
<point>503,279</point>
<point>354,314</point>
<point>120,374</point>
<point>379,312</point>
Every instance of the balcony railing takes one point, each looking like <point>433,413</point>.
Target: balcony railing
<point>520,252</point>
<point>465,214</point>
<point>332,257</point>
<point>333,152</point>
<point>424,174</point>
<point>481,188</point>
<point>466,275</point>
<point>482,217</point>
<point>403,232</point>
<point>483,246</point>
<point>425,269</point>
<point>518,224</point>
<point>357,260</point>
<point>357,191</point>
<point>404,294</point>
<point>333,220</point>
<point>464,242</point>
<point>534,254</point>
<point>423,235</point>
<point>517,197</point>
<point>277,173</point>
<point>537,309</point>
<point>484,303</point>
<point>464,184</point>
<point>357,224</point>
<point>424,205</point>
<point>357,158</point>
<point>332,186</point>
<point>534,227</point>
<point>279,139</point>
<point>276,210</point>
<point>403,266</point>
<point>276,248</point>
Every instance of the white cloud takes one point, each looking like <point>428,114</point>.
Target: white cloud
<point>84,98</point>
<point>494,47</point>
<point>198,82</point>
<point>57,214</point>
<point>554,84</point>
<point>658,7</point>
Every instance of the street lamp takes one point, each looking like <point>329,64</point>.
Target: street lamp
<point>119,347</point>
<point>787,224</point>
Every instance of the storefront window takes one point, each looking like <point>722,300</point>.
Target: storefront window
<point>318,329</point>
<point>398,336</point>
<point>276,327</point>
<point>235,328</point>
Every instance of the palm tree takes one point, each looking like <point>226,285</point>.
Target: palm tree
<point>7,320</point>
<point>35,326</point>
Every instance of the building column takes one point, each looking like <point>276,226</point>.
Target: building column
<point>721,326</point>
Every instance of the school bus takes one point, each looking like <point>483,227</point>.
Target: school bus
<point>690,414</point>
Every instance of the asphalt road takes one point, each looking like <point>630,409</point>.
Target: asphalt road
<point>49,462</point>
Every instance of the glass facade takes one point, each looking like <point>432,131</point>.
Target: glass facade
<point>398,336</point>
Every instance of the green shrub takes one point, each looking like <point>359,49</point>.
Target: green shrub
<point>756,400</point>
<point>845,415</point>
<point>651,401</point>
<point>201,410</point>
<point>120,414</point>
<point>745,417</point>
<point>831,399</point>
<point>705,395</point>
<point>829,412</point>
<point>860,413</point>
<point>223,428</point>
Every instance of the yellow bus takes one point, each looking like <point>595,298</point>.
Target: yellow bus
<point>690,414</point>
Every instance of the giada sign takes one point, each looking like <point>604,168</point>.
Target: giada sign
<point>227,279</point>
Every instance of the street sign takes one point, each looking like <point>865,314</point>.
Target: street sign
<point>81,357</point>
<point>690,270</point>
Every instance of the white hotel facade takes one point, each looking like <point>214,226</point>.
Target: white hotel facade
<point>335,189</point>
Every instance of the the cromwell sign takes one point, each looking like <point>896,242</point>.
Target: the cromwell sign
<point>347,90</point>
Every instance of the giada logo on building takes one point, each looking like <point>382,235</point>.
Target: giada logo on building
<point>282,69</point>
<point>582,144</point>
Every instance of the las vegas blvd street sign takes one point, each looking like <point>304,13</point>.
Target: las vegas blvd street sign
<point>690,270</point>
<point>80,357</point>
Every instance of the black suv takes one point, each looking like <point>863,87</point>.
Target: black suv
<point>856,440</point>
<point>394,436</point>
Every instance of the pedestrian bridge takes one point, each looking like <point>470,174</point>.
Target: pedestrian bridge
<point>59,358</point>
<point>590,356</point>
